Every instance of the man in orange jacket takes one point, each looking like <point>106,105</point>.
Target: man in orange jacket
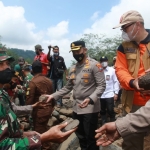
<point>133,61</point>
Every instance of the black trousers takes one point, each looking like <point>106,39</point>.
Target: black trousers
<point>107,106</point>
<point>86,130</point>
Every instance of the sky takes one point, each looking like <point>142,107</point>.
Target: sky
<point>25,23</point>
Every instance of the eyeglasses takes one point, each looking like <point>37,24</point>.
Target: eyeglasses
<point>124,28</point>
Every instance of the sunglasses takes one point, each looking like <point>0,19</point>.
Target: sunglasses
<point>124,28</point>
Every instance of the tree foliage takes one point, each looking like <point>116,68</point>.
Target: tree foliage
<point>101,45</point>
<point>28,55</point>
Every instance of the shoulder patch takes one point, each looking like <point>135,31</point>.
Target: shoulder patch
<point>99,67</point>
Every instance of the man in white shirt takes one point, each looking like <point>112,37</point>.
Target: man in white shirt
<point>111,92</point>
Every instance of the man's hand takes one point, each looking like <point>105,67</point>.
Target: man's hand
<point>148,70</point>
<point>67,78</point>
<point>115,97</point>
<point>55,134</point>
<point>50,97</point>
<point>136,85</point>
<point>107,134</point>
<point>84,103</point>
<point>39,104</point>
<point>49,47</point>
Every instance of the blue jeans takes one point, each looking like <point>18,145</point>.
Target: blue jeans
<point>57,85</point>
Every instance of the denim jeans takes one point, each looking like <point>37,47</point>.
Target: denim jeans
<point>57,85</point>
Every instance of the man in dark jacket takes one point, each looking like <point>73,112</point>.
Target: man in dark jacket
<point>57,69</point>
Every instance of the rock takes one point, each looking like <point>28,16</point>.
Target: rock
<point>52,121</point>
<point>144,81</point>
<point>68,104</point>
<point>111,147</point>
<point>57,109</point>
<point>62,118</point>
<point>55,114</point>
<point>42,98</point>
<point>66,96</point>
<point>66,112</point>
<point>72,143</point>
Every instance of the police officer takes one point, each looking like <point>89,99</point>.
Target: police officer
<point>88,83</point>
<point>11,137</point>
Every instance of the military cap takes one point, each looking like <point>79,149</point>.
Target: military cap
<point>129,17</point>
<point>21,61</point>
<point>103,58</point>
<point>26,67</point>
<point>4,56</point>
<point>38,46</point>
<point>77,45</point>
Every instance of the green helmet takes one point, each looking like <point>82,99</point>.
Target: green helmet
<point>4,56</point>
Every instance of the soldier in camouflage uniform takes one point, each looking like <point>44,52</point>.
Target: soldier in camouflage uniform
<point>11,137</point>
<point>28,76</point>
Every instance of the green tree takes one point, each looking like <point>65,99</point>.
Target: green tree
<point>101,45</point>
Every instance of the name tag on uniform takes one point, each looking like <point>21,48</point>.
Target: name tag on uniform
<point>130,50</point>
<point>107,77</point>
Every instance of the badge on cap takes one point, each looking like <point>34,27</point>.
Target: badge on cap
<point>72,45</point>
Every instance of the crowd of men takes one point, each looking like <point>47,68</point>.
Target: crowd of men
<point>95,85</point>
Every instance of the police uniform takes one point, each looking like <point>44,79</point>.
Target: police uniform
<point>87,81</point>
<point>11,136</point>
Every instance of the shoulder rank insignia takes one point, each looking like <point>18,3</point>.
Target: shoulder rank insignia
<point>99,67</point>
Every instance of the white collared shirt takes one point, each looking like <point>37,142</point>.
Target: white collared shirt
<point>112,83</point>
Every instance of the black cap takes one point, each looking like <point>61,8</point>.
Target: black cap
<point>103,58</point>
<point>77,45</point>
<point>37,66</point>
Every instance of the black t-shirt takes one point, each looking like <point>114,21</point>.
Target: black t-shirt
<point>57,67</point>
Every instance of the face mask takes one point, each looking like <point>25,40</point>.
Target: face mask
<point>56,54</point>
<point>127,37</point>
<point>37,52</point>
<point>5,76</point>
<point>79,57</point>
<point>104,64</point>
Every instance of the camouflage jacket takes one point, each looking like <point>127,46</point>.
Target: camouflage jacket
<point>24,89</point>
<point>11,136</point>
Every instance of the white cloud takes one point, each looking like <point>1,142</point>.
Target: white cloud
<point>15,30</point>
<point>105,24</point>
<point>95,16</point>
<point>58,31</point>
